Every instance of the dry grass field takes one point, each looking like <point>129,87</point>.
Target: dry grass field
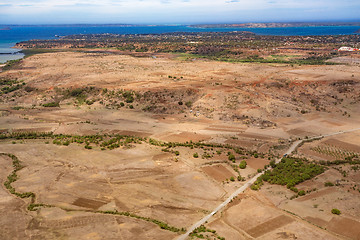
<point>145,190</point>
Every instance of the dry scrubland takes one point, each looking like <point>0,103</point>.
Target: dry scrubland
<point>192,123</point>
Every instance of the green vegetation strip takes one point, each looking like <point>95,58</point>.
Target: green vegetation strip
<point>13,177</point>
<point>289,172</point>
<point>35,206</point>
<point>200,231</point>
<point>161,224</point>
<point>112,141</point>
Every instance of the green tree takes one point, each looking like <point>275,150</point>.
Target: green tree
<point>243,164</point>
<point>335,211</point>
<point>231,157</point>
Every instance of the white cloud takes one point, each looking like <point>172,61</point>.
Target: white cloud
<point>155,11</point>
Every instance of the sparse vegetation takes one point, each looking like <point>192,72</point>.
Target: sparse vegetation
<point>35,206</point>
<point>10,85</point>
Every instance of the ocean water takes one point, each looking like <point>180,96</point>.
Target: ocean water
<point>13,34</point>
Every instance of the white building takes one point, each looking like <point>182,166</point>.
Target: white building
<point>347,49</point>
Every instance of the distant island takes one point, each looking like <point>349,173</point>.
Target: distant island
<point>273,25</point>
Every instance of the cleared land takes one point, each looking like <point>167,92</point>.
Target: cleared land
<point>193,122</point>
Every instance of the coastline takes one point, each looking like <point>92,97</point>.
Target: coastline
<point>24,33</point>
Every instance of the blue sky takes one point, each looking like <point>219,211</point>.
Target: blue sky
<point>175,11</point>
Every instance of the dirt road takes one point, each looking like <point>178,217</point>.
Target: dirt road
<point>251,181</point>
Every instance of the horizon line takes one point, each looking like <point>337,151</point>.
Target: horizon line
<point>357,21</point>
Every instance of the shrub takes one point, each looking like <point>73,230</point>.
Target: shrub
<point>232,179</point>
<point>195,155</point>
<point>76,92</point>
<point>51,104</point>
<point>188,104</point>
<point>301,193</point>
<point>335,211</point>
<point>329,184</point>
<point>177,153</point>
<point>231,157</point>
<point>243,164</point>
<point>272,163</point>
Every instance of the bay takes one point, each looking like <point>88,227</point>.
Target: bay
<point>10,35</point>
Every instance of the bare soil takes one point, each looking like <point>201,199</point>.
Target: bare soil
<point>257,107</point>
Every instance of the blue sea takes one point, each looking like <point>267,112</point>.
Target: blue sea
<point>10,35</point>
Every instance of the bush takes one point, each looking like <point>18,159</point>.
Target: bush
<point>329,184</point>
<point>76,92</point>
<point>231,157</point>
<point>272,163</point>
<point>188,104</point>
<point>232,179</point>
<point>243,164</point>
<point>301,193</point>
<point>88,147</point>
<point>51,104</point>
<point>335,211</point>
<point>177,153</point>
<point>195,155</point>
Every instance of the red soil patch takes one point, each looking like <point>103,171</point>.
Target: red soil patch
<point>257,163</point>
<point>345,226</point>
<point>317,221</point>
<point>224,128</point>
<point>162,156</point>
<point>299,132</point>
<point>317,194</point>
<point>269,226</point>
<point>186,136</point>
<point>218,172</point>
<point>255,136</point>
<point>332,123</point>
<point>88,203</point>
